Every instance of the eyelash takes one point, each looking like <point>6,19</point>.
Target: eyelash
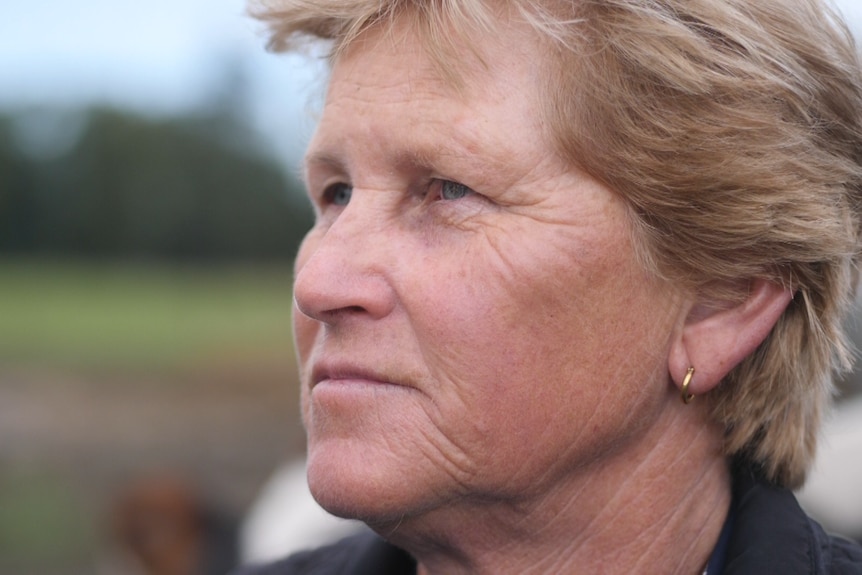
<point>339,193</point>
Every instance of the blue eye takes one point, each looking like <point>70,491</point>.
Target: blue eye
<point>338,194</point>
<point>450,190</point>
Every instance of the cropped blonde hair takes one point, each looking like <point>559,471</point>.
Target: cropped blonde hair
<point>733,129</point>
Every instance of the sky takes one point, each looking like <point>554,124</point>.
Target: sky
<point>156,57</point>
<point>164,57</point>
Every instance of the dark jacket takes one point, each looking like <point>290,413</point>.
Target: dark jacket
<point>771,535</point>
<point>768,535</point>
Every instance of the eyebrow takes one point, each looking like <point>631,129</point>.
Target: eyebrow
<point>322,158</point>
<point>420,158</point>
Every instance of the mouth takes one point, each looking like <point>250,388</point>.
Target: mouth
<point>339,373</point>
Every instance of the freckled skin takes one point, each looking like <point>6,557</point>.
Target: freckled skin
<point>528,345</point>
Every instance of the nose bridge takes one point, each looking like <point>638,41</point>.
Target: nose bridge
<point>346,268</point>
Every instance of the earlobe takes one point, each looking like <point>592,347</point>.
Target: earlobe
<point>716,338</point>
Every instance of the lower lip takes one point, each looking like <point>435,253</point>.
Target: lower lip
<point>353,388</point>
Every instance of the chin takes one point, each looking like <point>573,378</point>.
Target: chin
<point>351,479</point>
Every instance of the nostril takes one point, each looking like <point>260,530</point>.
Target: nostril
<point>337,315</point>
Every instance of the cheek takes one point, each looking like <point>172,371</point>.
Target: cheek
<point>521,304</point>
<point>531,349</point>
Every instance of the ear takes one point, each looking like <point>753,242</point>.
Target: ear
<point>715,339</point>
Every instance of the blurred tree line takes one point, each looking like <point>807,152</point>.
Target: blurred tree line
<point>106,183</point>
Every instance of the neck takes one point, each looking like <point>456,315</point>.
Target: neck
<point>654,507</point>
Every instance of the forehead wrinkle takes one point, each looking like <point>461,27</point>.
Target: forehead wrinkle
<point>449,58</point>
<point>361,129</point>
<point>441,153</point>
<point>459,149</point>
<point>362,101</point>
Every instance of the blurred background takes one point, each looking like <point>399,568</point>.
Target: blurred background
<point>149,213</point>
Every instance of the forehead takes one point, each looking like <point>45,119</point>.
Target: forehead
<point>457,37</point>
<point>389,77</point>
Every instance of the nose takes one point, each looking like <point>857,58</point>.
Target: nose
<point>345,270</point>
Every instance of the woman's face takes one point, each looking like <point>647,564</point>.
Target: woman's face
<point>471,321</point>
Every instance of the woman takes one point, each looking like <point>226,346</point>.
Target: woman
<point>573,298</point>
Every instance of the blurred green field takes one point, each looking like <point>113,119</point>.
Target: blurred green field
<point>119,322</point>
<point>139,317</point>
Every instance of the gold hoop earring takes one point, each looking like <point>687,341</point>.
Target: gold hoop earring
<point>686,396</point>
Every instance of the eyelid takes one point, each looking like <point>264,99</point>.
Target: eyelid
<point>320,172</point>
<point>318,187</point>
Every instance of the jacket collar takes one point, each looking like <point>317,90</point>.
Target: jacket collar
<point>770,533</point>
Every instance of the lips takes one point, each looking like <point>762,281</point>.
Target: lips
<point>345,372</point>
